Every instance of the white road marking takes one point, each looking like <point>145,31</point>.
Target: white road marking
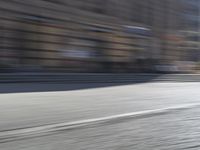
<point>15,134</point>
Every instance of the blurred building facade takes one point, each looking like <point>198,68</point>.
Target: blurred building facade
<point>95,35</point>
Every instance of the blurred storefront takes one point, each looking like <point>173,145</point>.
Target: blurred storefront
<point>92,36</point>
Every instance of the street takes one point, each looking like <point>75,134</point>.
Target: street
<point>100,75</point>
<point>36,105</point>
<point>178,130</point>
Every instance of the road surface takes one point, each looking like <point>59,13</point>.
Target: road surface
<point>174,129</point>
<point>177,131</point>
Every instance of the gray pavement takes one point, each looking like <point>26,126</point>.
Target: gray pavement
<point>21,110</point>
<point>178,130</point>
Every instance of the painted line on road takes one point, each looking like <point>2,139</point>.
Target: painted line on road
<point>17,134</point>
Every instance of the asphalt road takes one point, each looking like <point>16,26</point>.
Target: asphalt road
<point>177,129</point>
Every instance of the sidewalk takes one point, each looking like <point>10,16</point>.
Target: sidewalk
<point>95,78</point>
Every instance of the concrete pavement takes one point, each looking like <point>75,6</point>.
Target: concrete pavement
<point>178,130</point>
<point>166,125</point>
<point>21,110</point>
